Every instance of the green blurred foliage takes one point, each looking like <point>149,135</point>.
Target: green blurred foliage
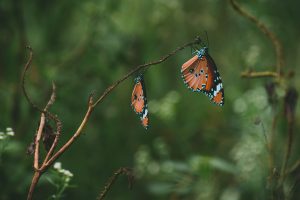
<point>193,149</point>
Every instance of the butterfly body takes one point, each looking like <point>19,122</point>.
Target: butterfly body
<point>139,100</point>
<point>200,74</point>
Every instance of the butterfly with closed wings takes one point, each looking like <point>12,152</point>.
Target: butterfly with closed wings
<point>139,100</point>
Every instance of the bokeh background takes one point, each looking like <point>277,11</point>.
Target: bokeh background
<point>193,149</point>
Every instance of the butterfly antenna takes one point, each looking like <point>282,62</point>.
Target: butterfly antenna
<point>193,49</point>
<point>207,39</point>
<point>143,71</point>
<point>198,40</point>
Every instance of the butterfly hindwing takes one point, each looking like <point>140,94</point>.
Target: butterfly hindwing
<point>144,118</point>
<point>216,89</point>
<point>200,74</point>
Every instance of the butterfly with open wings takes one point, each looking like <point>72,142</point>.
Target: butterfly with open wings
<point>200,74</point>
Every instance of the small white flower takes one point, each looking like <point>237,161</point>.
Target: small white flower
<point>68,173</point>
<point>9,129</point>
<point>10,133</point>
<point>2,137</point>
<point>67,179</point>
<point>57,166</point>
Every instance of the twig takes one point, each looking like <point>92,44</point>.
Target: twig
<point>27,65</point>
<point>35,179</point>
<point>52,97</point>
<point>37,141</point>
<point>51,100</point>
<point>276,43</point>
<point>113,178</point>
<point>144,66</point>
<point>288,149</point>
<point>58,125</point>
<point>294,167</point>
<point>290,102</point>
<point>250,74</point>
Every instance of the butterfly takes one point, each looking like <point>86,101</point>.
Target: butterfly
<point>139,100</point>
<point>200,74</point>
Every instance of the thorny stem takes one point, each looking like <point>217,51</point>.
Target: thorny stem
<point>50,159</point>
<point>275,41</point>
<point>113,178</point>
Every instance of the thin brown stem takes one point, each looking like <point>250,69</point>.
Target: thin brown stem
<point>27,65</point>
<point>294,167</point>
<point>58,125</point>
<point>271,141</point>
<point>276,43</point>
<point>250,74</point>
<point>112,180</point>
<point>37,141</point>
<point>35,180</point>
<point>288,149</point>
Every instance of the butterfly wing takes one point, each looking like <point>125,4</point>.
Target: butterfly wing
<point>194,74</point>
<point>216,90</point>
<point>145,119</point>
<point>138,98</point>
<point>201,75</point>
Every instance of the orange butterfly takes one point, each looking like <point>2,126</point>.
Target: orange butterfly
<point>139,100</point>
<point>200,74</point>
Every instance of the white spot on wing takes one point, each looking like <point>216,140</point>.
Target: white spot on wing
<point>145,113</point>
<point>218,88</point>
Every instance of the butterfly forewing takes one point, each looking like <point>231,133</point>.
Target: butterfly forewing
<point>137,98</point>
<point>188,63</point>
<point>195,74</point>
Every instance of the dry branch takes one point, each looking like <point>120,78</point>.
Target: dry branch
<point>275,41</point>
<point>51,157</point>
